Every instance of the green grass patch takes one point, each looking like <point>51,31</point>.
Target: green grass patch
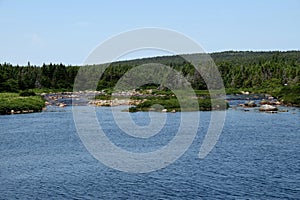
<point>49,90</point>
<point>13,101</point>
<point>186,104</point>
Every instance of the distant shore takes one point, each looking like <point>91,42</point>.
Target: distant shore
<point>147,100</point>
<point>137,100</point>
<point>142,100</point>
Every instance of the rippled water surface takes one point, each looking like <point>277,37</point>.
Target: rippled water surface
<point>257,156</point>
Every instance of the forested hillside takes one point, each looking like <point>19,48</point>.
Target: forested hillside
<point>238,69</point>
<point>51,76</point>
<point>258,69</point>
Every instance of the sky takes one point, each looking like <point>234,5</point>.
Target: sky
<point>68,31</point>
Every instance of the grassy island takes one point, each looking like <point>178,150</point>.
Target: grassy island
<point>173,105</point>
<point>13,103</point>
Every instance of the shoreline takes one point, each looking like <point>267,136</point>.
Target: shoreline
<point>137,100</point>
<point>248,100</point>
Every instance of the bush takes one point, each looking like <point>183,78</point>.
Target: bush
<point>27,93</point>
<point>133,109</point>
<point>290,94</point>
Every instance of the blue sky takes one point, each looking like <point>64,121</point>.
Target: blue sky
<point>67,31</point>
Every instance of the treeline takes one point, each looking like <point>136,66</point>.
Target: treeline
<point>51,76</point>
<point>238,69</point>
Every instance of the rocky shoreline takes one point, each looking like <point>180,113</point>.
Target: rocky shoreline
<point>264,102</point>
<point>246,102</point>
<point>83,98</point>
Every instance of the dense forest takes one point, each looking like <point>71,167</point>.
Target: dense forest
<point>242,69</point>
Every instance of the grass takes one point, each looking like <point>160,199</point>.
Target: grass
<point>173,104</point>
<point>13,101</point>
<point>48,90</point>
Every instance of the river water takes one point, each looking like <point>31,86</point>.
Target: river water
<point>256,156</point>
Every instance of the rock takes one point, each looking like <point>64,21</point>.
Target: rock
<point>268,108</point>
<point>173,111</point>
<point>283,110</point>
<point>246,93</point>
<point>61,105</point>
<point>263,102</point>
<point>250,104</point>
<point>272,102</point>
<point>277,103</point>
<point>164,110</point>
<point>272,111</point>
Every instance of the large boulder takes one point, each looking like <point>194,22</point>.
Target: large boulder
<point>267,107</point>
<point>250,104</point>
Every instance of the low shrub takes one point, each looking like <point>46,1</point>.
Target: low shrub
<point>27,93</point>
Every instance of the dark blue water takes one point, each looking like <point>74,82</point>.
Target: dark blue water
<point>257,156</point>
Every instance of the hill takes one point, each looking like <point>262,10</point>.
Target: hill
<point>273,72</point>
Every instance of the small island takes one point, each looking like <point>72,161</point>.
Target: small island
<point>25,102</point>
